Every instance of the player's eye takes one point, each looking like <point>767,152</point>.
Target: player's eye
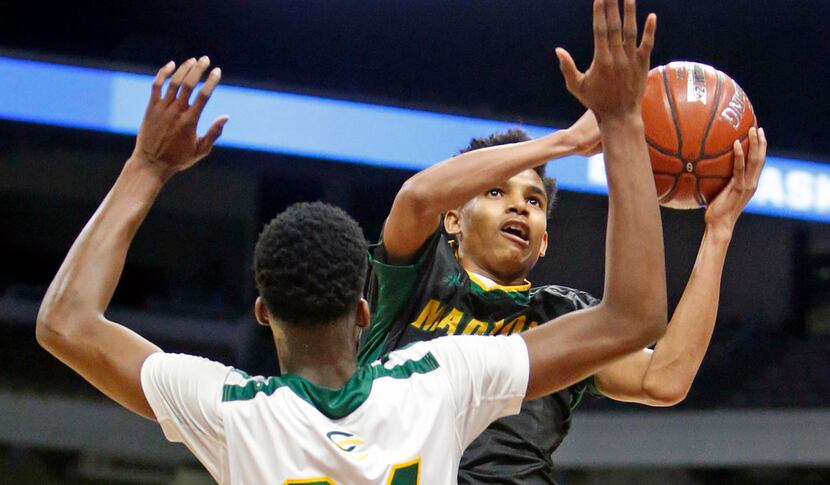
<point>534,201</point>
<point>494,193</point>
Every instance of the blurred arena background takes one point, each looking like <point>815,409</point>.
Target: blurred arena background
<point>759,412</point>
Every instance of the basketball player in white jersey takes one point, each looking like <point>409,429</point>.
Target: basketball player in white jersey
<point>404,419</point>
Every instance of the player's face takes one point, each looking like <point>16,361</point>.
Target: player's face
<point>502,232</point>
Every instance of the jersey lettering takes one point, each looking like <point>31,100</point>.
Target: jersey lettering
<point>311,481</point>
<point>407,473</point>
<point>449,323</point>
<point>429,315</point>
<point>434,318</point>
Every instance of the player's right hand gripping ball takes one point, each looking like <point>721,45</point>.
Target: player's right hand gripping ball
<point>692,114</point>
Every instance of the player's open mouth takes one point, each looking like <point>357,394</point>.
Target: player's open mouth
<point>516,231</point>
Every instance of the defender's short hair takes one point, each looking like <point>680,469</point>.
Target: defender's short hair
<point>310,264</point>
<point>515,135</point>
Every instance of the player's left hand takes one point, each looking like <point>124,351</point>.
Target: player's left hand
<point>167,139</point>
<point>724,210</point>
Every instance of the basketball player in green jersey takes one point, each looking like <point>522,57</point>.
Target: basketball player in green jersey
<point>401,420</point>
<point>470,279</point>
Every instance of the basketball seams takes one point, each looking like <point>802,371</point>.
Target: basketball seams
<point>670,96</point>
<point>718,93</point>
<point>686,187</point>
<point>671,191</point>
<point>660,149</point>
<point>673,110</point>
<point>724,151</point>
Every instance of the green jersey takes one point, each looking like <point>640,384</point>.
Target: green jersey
<point>434,297</point>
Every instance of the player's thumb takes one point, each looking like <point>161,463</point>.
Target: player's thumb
<point>568,67</point>
<point>206,142</point>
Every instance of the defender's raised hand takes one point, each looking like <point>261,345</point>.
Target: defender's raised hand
<point>167,138</point>
<point>71,323</point>
<point>616,80</point>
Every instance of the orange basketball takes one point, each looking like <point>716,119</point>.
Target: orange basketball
<point>692,114</point>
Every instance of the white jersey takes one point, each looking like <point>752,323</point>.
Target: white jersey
<point>402,420</point>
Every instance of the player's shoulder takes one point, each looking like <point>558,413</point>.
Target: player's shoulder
<point>448,348</point>
<point>167,362</point>
<point>437,242</point>
<point>422,351</point>
<point>413,352</point>
<point>578,298</point>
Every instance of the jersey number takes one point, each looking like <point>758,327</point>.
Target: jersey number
<point>402,474</point>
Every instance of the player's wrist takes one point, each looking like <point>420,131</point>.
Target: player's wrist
<point>143,165</point>
<point>560,143</point>
<point>719,232</point>
<point>629,118</point>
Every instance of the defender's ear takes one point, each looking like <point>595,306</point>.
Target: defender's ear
<point>261,312</point>
<point>362,317</point>
<point>544,247</point>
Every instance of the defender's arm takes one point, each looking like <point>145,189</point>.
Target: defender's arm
<point>71,323</point>
<point>633,310</point>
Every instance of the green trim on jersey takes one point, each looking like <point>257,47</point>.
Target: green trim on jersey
<point>334,403</point>
<point>520,297</point>
<point>395,297</point>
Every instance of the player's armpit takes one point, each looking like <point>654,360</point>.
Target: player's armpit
<point>70,323</point>
<point>106,354</point>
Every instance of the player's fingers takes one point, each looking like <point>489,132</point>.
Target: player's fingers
<point>762,143</point>
<point>752,136</point>
<point>190,81</point>
<point>176,80</point>
<point>601,51</point>
<point>757,154</point>
<point>758,164</point>
<point>762,139</point>
<point>207,90</point>
<point>158,82</point>
<point>206,142</point>
<point>630,26</point>
<point>612,17</point>
<point>739,165</point>
<point>569,70</point>
<point>647,43</point>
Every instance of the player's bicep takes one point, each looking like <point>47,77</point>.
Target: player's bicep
<point>623,380</point>
<point>409,225</point>
<point>109,356</point>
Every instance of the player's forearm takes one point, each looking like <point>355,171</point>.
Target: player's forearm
<point>452,182</point>
<point>678,355</point>
<point>635,268</point>
<point>86,280</point>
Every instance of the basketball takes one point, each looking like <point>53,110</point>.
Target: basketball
<point>692,114</point>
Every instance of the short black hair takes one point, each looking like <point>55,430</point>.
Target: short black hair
<point>310,264</point>
<point>515,135</point>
